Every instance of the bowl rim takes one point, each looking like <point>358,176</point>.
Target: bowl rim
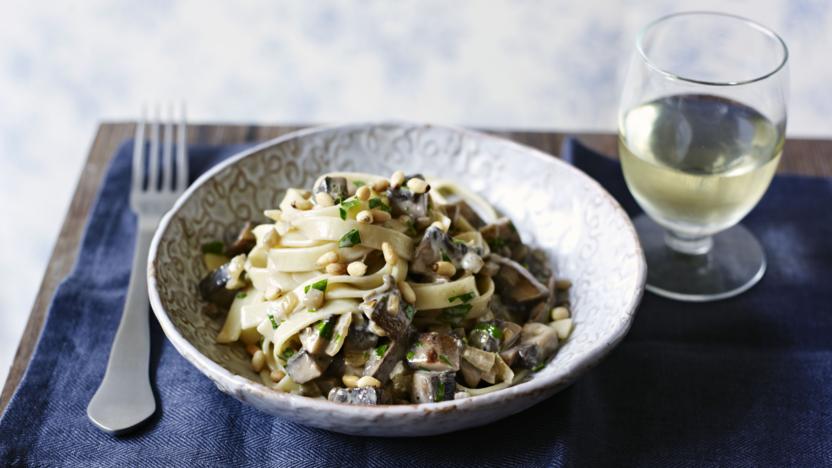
<point>529,388</point>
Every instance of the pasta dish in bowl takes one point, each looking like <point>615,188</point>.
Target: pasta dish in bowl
<point>394,279</point>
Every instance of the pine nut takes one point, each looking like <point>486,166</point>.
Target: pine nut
<point>408,293</point>
<point>363,193</point>
<point>368,381</point>
<point>560,313</point>
<point>324,199</point>
<point>380,216</point>
<point>381,185</point>
<point>351,381</point>
<point>563,284</point>
<point>272,293</point>
<point>397,179</point>
<point>327,258</point>
<point>336,269</point>
<point>302,204</point>
<point>390,255</point>
<point>252,348</point>
<point>444,268</point>
<point>277,375</point>
<point>365,217</point>
<point>417,186</point>
<point>258,361</point>
<point>357,269</point>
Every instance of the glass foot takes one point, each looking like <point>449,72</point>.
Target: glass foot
<point>734,263</point>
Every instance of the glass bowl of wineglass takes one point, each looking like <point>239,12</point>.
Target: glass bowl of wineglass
<point>701,127</point>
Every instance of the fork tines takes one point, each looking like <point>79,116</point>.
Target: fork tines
<point>146,174</point>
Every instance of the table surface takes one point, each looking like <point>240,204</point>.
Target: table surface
<point>801,156</point>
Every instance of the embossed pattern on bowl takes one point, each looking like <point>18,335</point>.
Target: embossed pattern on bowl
<point>588,237</point>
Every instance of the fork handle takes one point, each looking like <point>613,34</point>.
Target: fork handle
<point>124,398</point>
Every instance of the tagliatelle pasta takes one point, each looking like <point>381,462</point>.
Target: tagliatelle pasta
<point>374,290</point>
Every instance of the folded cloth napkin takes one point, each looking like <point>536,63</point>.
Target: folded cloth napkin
<point>745,381</point>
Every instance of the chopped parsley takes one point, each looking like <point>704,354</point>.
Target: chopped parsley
<point>345,207</point>
<point>409,311</point>
<point>288,352</point>
<point>351,238</point>
<point>241,295</point>
<point>455,314</point>
<point>376,202</point>
<point>491,329</point>
<point>445,256</point>
<point>324,328</point>
<point>538,367</point>
<point>496,243</point>
<point>440,395</point>
<point>445,359</point>
<point>358,183</point>
<point>215,247</point>
<point>319,285</point>
<point>381,350</point>
<point>462,297</point>
<point>410,355</point>
<point>273,321</point>
<point>337,337</point>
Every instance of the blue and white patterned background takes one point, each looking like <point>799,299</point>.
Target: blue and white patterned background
<point>65,66</point>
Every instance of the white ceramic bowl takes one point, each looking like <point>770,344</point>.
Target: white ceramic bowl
<point>587,235</point>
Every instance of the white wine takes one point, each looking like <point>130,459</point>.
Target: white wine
<point>696,163</point>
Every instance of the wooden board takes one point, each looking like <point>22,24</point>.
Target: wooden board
<point>801,156</point>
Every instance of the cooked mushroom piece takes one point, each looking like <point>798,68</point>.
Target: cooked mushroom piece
<point>326,384</point>
<point>428,386</point>
<point>460,210</point>
<point>244,243</point>
<point>540,313</point>
<point>405,202</point>
<point>359,337</point>
<point>435,352</point>
<point>400,380</point>
<point>316,337</point>
<point>386,307</point>
<point>384,358</point>
<point>503,239</point>
<point>515,283</point>
<point>303,367</point>
<point>358,396</point>
<point>212,287</point>
<point>470,374</point>
<point>537,343</point>
<point>494,335</point>
<point>336,187</point>
<point>437,245</point>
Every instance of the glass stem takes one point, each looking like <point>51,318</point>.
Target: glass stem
<point>686,244</point>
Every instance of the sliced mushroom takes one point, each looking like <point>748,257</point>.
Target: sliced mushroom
<point>460,210</point>
<point>303,367</point>
<point>515,283</point>
<point>430,386</point>
<point>384,358</point>
<point>244,243</point>
<point>494,335</point>
<point>358,396</point>
<point>503,239</point>
<point>537,343</point>
<point>386,307</point>
<point>317,337</point>
<point>406,202</point>
<point>435,352</point>
<point>478,358</point>
<point>359,337</point>
<point>436,245</point>
<point>470,374</point>
<point>540,313</point>
<point>212,287</point>
<point>336,187</point>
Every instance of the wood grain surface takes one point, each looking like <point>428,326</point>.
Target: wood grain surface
<point>801,156</point>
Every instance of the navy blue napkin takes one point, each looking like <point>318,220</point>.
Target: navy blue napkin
<point>745,381</point>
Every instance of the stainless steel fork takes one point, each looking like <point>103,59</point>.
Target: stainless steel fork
<point>124,399</point>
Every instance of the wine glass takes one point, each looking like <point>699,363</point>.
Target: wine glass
<point>701,127</point>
